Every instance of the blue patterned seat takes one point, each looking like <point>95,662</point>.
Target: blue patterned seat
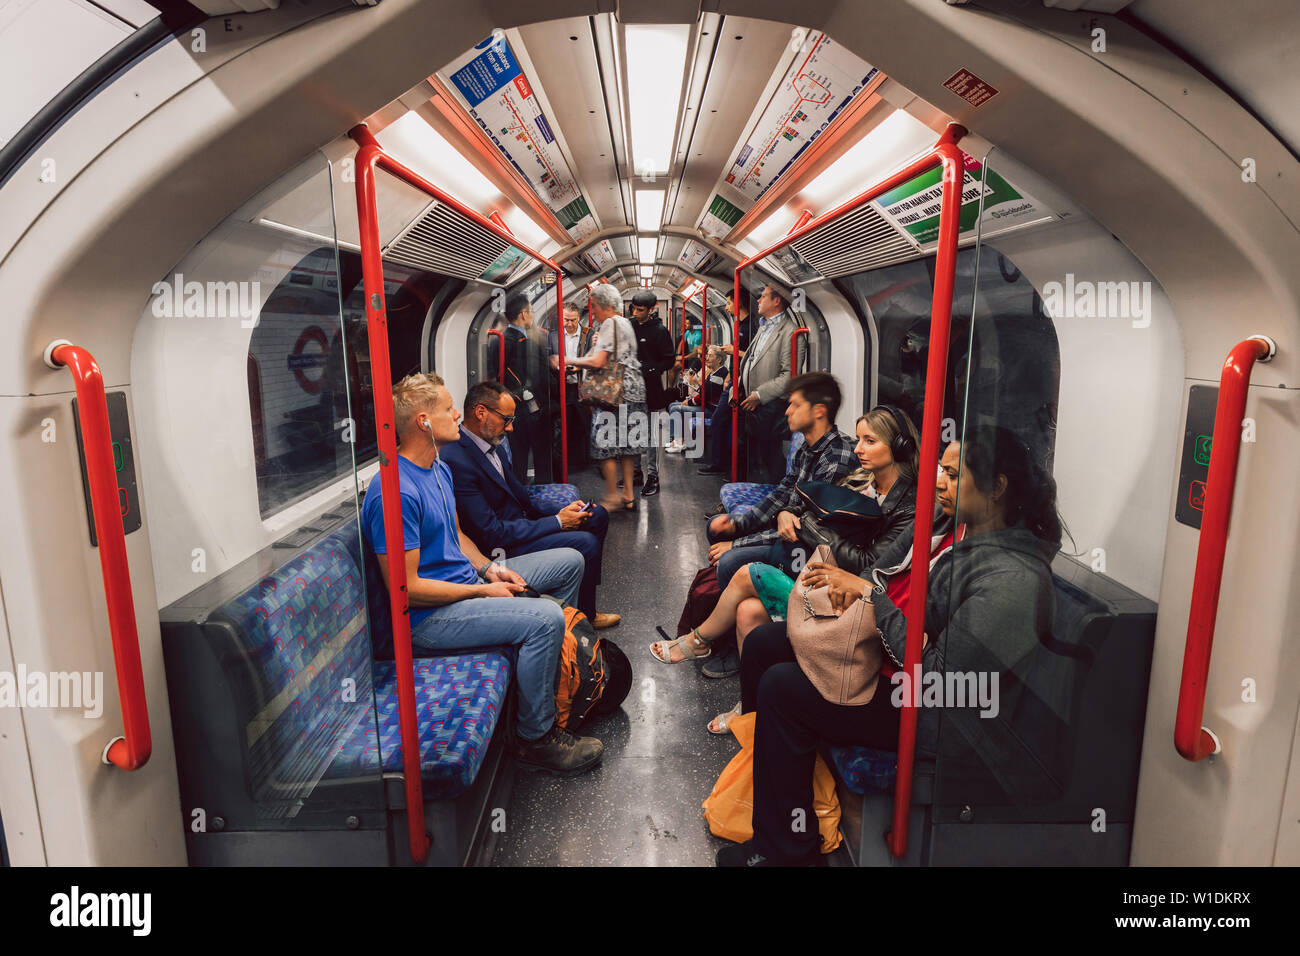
<point>458,702</point>
<point>739,495</point>
<point>552,497</point>
<point>304,699</point>
<point>865,770</point>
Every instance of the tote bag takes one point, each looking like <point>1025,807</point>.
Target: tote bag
<point>603,387</point>
<point>730,807</point>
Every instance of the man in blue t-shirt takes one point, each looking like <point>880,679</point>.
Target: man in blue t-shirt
<point>446,574</point>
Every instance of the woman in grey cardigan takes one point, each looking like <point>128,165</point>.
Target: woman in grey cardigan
<point>988,607</point>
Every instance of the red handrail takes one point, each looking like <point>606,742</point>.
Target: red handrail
<point>501,353</point>
<point>794,350</point>
<point>946,155</point>
<point>1192,740</point>
<point>371,155</point>
<point>130,751</point>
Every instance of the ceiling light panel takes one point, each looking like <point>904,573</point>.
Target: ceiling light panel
<point>649,209</point>
<point>656,57</point>
<point>646,249</point>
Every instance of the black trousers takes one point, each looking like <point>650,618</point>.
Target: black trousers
<point>531,433</point>
<point>793,718</point>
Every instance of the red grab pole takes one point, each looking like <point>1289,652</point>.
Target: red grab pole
<point>1191,739</point>
<point>947,156</point>
<point>132,750</point>
<point>371,156</point>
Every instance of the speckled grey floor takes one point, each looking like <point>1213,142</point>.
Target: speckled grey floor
<point>642,805</point>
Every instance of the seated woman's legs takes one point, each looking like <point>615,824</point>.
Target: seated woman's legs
<point>722,621</point>
<point>764,647</point>
<point>795,719</point>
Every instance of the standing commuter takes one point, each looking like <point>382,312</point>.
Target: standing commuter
<point>618,437</point>
<point>458,598</point>
<point>577,341</point>
<point>654,350</point>
<point>764,374</point>
<point>527,378</point>
<point>718,435</point>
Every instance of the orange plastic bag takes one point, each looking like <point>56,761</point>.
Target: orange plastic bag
<point>730,807</point>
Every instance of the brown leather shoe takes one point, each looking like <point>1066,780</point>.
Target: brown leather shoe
<point>603,620</point>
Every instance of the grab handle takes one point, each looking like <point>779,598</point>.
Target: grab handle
<point>131,751</point>
<point>1191,739</point>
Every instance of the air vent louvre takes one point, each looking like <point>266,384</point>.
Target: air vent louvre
<point>861,240</point>
<point>444,241</point>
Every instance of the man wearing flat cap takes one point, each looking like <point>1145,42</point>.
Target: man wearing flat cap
<point>654,350</point>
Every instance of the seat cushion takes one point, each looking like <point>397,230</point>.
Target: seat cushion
<point>739,495</point>
<point>458,701</point>
<point>865,770</point>
<point>552,497</point>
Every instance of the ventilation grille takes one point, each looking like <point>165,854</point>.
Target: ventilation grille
<point>861,240</point>
<point>444,241</point>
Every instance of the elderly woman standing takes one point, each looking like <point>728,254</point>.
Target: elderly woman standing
<point>623,435</point>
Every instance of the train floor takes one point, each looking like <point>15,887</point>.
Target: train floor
<point>642,805</point>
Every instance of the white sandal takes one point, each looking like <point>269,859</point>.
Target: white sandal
<point>724,721</point>
<point>689,651</point>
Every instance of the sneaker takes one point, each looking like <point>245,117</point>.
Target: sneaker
<point>723,665</point>
<point>745,854</point>
<point>651,486</point>
<point>674,447</point>
<point>559,752</point>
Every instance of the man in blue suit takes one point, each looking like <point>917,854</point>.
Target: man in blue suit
<point>495,509</point>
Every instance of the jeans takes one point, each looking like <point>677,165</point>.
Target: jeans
<point>687,414</point>
<point>533,627</point>
<point>735,559</point>
<point>589,541</point>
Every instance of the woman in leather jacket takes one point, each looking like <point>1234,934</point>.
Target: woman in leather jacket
<point>887,450</point>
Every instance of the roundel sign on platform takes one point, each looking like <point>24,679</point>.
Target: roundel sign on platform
<point>308,359</point>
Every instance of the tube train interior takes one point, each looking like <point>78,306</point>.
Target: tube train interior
<point>230,227</point>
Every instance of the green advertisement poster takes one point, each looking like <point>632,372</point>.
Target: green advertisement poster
<point>914,206</point>
<point>504,265</point>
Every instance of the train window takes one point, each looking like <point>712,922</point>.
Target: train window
<point>1013,360</point>
<point>309,382</point>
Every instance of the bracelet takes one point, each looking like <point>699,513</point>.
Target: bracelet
<point>483,571</point>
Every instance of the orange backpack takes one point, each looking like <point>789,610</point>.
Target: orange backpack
<point>593,676</point>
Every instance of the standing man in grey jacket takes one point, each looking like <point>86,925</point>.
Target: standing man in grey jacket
<point>764,375</point>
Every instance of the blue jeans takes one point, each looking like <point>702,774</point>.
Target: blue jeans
<point>688,414</point>
<point>589,542</point>
<point>533,627</point>
<point>735,559</point>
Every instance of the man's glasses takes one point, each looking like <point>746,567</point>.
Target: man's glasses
<point>505,419</point>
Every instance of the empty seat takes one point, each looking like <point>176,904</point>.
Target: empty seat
<point>270,677</point>
<point>552,497</point>
<point>739,495</point>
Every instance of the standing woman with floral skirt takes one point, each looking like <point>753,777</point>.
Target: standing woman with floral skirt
<point>617,436</point>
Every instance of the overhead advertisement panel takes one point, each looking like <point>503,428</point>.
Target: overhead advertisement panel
<point>720,217</point>
<point>913,207</point>
<point>493,88</point>
<point>694,255</point>
<point>602,255</point>
<point>823,79</point>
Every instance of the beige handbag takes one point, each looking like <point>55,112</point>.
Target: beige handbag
<point>839,654</point>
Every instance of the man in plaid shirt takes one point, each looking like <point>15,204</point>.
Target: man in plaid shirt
<point>826,455</point>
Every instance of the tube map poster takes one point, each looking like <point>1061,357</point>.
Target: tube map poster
<point>497,94</point>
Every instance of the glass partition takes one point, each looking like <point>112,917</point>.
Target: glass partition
<point>281,721</point>
<point>1000,682</point>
